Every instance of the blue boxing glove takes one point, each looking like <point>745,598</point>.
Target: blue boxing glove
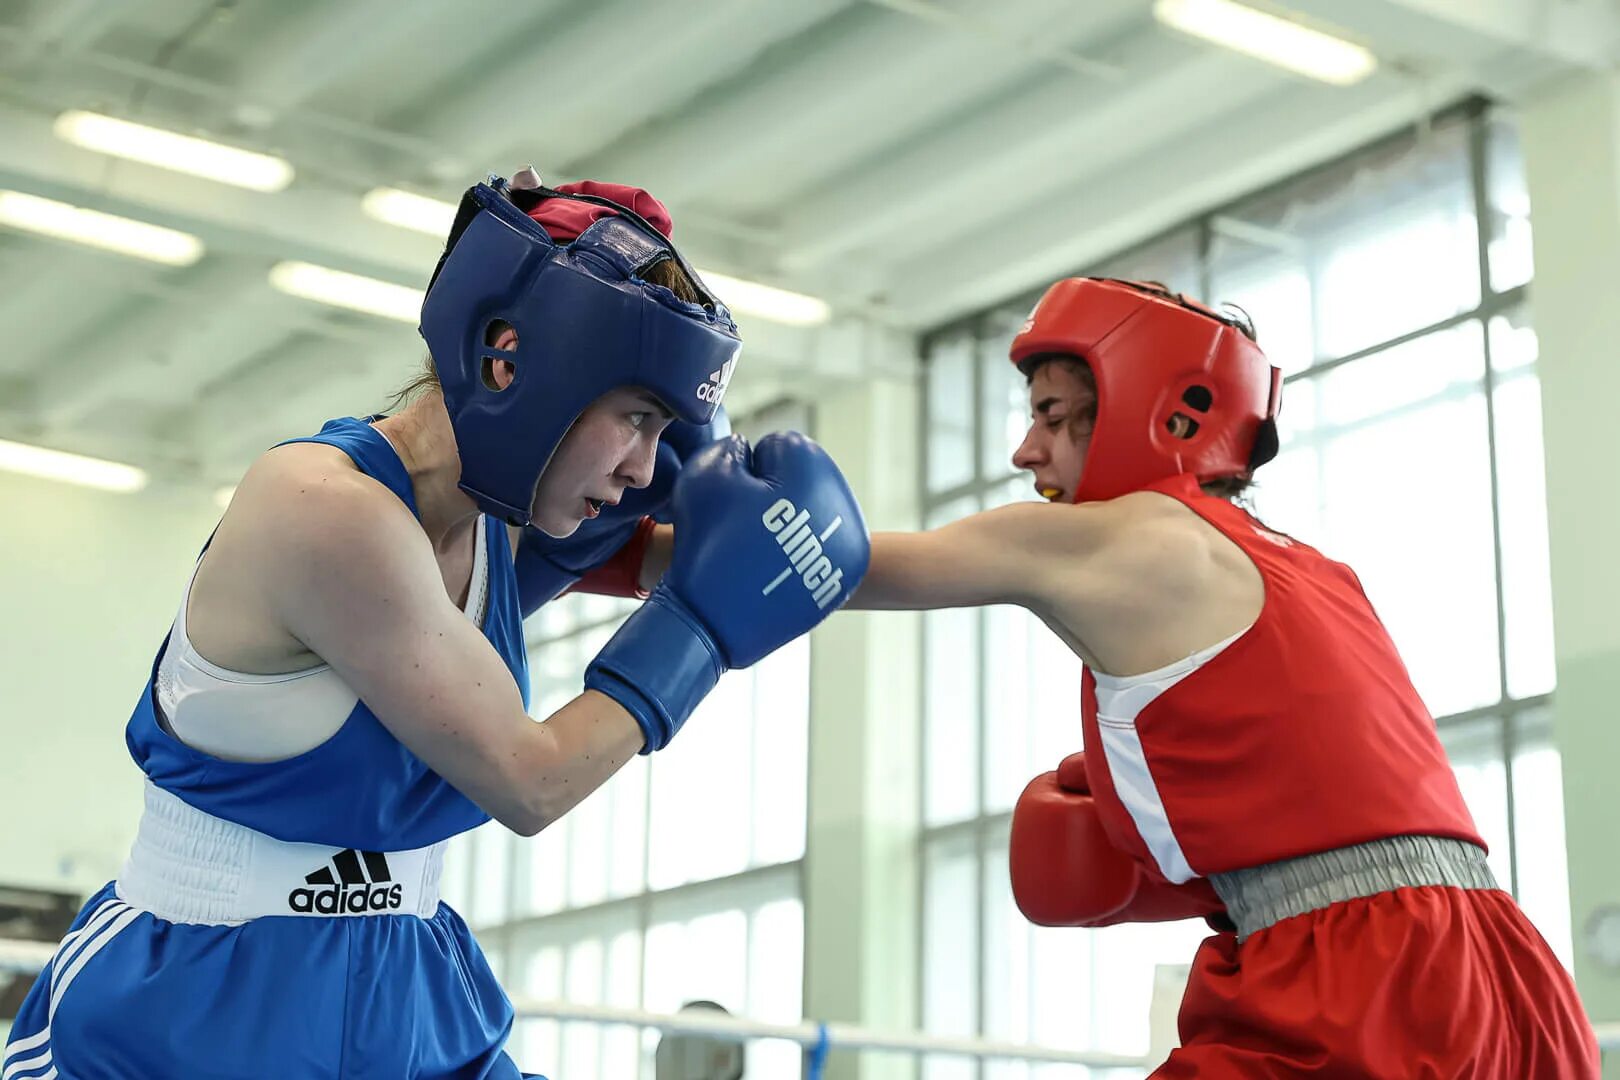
<point>547,566</point>
<point>769,542</point>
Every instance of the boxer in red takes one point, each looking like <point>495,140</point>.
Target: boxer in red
<point>1255,753</point>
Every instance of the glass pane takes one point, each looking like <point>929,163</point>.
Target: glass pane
<point>1418,371</point>
<point>1405,501</point>
<point>1018,489</point>
<point>628,841</point>
<point>1475,750</point>
<point>1538,811</point>
<point>1262,271</point>
<point>1511,257</point>
<point>776,983</point>
<point>950,714</point>
<point>1522,494</point>
<point>455,883</point>
<point>1036,987</point>
<point>492,864</point>
<point>701,959</point>
<point>1401,250</point>
<point>947,512</point>
<point>582,1042</point>
<point>540,1041</point>
<point>951,402</point>
<point>950,937</point>
<point>1171,260</point>
<point>588,851</point>
<point>1513,341</point>
<point>703,777</point>
<point>621,1046</point>
<point>781,751</point>
<point>1288,494</point>
<point>1379,283</point>
<point>548,869</point>
<point>1125,959</point>
<point>1004,398</point>
<point>555,670</point>
<point>1032,703</point>
<point>1385,241</point>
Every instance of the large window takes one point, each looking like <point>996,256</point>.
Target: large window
<point>1389,287</point>
<point>678,881</point>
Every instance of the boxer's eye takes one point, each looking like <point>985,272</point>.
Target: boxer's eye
<point>638,418</point>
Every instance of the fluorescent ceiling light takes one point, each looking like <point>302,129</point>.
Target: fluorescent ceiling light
<point>1267,37</point>
<point>409,211</point>
<point>171,150</point>
<point>70,468</point>
<point>340,289</point>
<point>107,231</point>
<point>767,301</point>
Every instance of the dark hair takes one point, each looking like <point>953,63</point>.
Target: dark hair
<point>666,272</point>
<point>1222,487</point>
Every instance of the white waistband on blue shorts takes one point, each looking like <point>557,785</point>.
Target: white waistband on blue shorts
<point>190,867</point>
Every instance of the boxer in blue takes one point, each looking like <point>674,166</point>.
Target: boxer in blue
<point>344,688</point>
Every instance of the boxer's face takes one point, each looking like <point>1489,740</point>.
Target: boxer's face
<point>1062,409</point>
<point>612,446</point>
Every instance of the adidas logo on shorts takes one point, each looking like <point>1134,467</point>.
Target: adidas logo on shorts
<point>715,389</point>
<point>361,883</point>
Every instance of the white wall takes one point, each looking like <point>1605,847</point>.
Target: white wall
<point>89,583</point>
<point>1571,136</point>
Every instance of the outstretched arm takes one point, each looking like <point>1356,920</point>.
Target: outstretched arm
<point>1001,556</point>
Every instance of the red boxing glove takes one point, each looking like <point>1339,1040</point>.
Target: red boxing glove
<point>1067,872</point>
<point>620,575</point>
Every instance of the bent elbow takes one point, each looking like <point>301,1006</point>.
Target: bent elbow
<point>524,823</point>
<point>528,815</point>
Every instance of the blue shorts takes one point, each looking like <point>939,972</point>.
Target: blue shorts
<point>130,996</point>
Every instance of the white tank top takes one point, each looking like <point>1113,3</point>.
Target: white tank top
<point>243,717</point>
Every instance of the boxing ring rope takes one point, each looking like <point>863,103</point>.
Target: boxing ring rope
<point>27,957</point>
<point>821,1037</point>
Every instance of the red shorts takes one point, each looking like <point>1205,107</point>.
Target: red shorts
<point>1417,984</point>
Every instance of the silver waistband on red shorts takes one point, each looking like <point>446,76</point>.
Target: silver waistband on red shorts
<point>1262,896</point>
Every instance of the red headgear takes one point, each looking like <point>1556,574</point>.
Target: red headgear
<point>1153,356</point>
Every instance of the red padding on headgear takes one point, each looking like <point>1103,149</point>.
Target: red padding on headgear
<point>565,219</point>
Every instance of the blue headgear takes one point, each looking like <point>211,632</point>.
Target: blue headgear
<point>586,324</point>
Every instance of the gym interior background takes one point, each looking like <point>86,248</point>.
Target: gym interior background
<point>1429,244</point>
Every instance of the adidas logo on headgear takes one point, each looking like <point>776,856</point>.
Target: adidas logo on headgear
<point>715,389</point>
<point>355,890</point>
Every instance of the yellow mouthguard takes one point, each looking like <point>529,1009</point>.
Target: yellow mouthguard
<point>1051,493</point>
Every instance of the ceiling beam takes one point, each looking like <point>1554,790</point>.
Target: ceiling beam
<point>985,164</point>
<point>580,77</point>
<point>1423,33</point>
<point>113,360</point>
<point>310,49</point>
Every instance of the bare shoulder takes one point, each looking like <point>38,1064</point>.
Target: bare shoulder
<point>311,493</point>
<point>304,511</point>
<point>1154,544</point>
<point>1140,526</point>
<point>302,519</point>
<point>1162,584</point>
